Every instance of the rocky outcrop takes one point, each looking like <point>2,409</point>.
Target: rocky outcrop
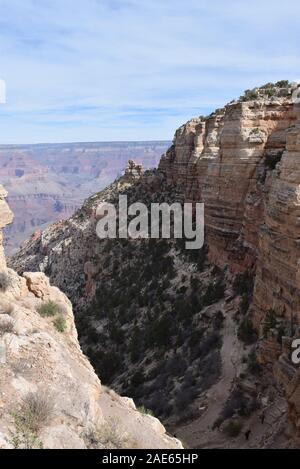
<point>50,396</point>
<point>133,171</point>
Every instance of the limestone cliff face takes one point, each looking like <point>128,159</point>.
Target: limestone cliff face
<point>228,161</point>
<point>251,209</point>
<point>50,396</point>
<point>220,161</point>
<point>278,268</point>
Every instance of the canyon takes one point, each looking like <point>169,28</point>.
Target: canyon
<point>50,396</point>
<point>202,339</point>
<point>49,182</point>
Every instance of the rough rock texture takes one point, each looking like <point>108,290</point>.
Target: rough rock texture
<point>133,171</point>
<point>277,284</point>
<point>220,160</point>
<point>162,328</point>
<point>228,161</point>
<point>6,217</point>
<point>50,396</point>
<point>243,163</point>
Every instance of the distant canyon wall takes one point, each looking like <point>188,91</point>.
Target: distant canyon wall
<point>47,183</point>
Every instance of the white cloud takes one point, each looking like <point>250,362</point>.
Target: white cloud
<point>86,69</point>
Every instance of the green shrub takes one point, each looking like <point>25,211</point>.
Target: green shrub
<point>35,412</point>
<point>195,337</point>
<point>272,160</point>
<point>271,92</point>
<point>7,326</point>
<point>243,283</point>
<point>137,379</point>
<point>218,320</point>
<point>281,332</point>
<point>48,309</point>
<point>282,84</point>
<point>238,402</point>
<point>215,291</point>
<point>249,95</point>
<point>253,366</point>
<point>246,332</point>
<point>270,321</point>
<point>4,281</point>
<point>110,435</point>
<point>233,428</point>
<point>107,364</point>
<point>267,86</point>
<point>142,409</point>
<point>159,332</point>
<point>60,323</point>
<point>6,308</point>
<point>245,303</point>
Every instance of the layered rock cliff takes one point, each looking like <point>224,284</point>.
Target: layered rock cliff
<point>222,161</point>
<point>243,163</point>
<point>50,396</point>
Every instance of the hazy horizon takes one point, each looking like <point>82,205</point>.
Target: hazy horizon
<point>84,142</point>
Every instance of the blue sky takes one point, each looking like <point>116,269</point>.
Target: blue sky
<point>101,70</point>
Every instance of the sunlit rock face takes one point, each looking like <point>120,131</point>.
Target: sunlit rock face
<point>243,163</point>
<point>220,160</point>
<point>6,217</point>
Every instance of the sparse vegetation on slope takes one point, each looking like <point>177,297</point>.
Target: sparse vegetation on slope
<point>280,89</point>
<point>34,413</point>
<point>4,281</point>
<point>48,309</point>
<point>144,330</point>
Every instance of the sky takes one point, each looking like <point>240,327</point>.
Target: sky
<point>109,70</point>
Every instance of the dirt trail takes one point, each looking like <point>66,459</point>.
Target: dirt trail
<point>199,433</point>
